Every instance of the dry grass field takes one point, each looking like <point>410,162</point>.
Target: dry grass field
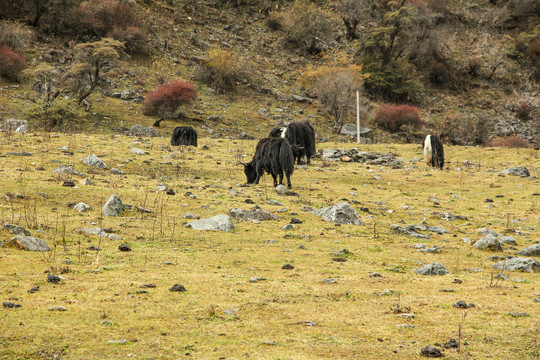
<point>287,313</point>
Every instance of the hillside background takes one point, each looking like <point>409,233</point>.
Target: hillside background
<point>466,70</point>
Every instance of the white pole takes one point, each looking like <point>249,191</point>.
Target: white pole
<point>358,117</point>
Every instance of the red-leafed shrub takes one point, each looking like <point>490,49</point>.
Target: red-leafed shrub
<point>511,142</point>
<point>165,100</point>
<point>523,110</point>
<point>393,117</point>
<point>11,63</point>
<point>134,40</point>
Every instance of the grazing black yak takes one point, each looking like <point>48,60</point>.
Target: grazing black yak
<point>273,155</point>
<point>302,135</point>
<point>433,151</point>
<point>184,135</point>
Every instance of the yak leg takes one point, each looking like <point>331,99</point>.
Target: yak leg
<point>289,180</point>
<point>274,176</point>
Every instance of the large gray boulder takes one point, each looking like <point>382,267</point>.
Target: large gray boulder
<point>113,206</point>
<point>216,223</point>
<point>16,229</point>
<point>435,268</point>
<point>256,214</point>
<point>143,131</point>
<point>489,242</point>
<point>350,129</point>
<point>29,243</point>
<point>341,213</point>
<point>12,124</point>
<point>518,264</point>
<point>94,161</point>
<point>520,171</point>
<point>533,250</point>
<point>363,157</point>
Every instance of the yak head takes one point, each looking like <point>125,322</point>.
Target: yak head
<point>250,171</point>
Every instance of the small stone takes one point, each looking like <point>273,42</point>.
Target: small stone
<point>53,279</point>
<point>257,279</point>
<point>296,221</point>
<point>124,247</point>
<point>287,227</point>
<point>170,192</point>
<point>34,289</point>
<point>431,352</point>
<point>287,267</point>
<point>57,308</point>
<point>11,305</point>
<point>330,281</point>
<point>375,275</point>
<point>460,305</point>
<point>339,259</point>
<point>432,269</point>
<point>178,288</point>
<point>68,183</point>
<point>519,314</point>
<point>458,281</point>
<point>406,316</point>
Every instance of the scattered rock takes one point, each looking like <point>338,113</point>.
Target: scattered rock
<point>452,344</point>
<point>341,213</point>
<point>94,161</point>
<point>216,223</point>
<point>287,267</point>
<point>431,352</point>
<point>282,190</point>
<point>16,229</point>
<point>375,275</point>
<point>432,250</point>
<point>489,242</point>
<point>351,130</point>
<point>124,247</point>
<point>116,171</point>
<point>82,207</point>
<point>519,314</point>
<point>432,269</point>
<point>11,305</point>
<point>363,157</point>
<point>256,279</point>
<point>29,243</point>
<point>520,171</point>
<point>519,264</point>
<point>33,290</point>
<point>508,240</point>
<point>113,206</point>
<point>189,215</point>
<point>170,192</point>
<point>463,305</point>
<point>178,288</point>
<point>288,227</point>
<point>138,151</point>
<point>487,231</point>
<point>533,250</point>
<point>68,183</point>
<point>68,170</point>
<point>53,278</point>
<point>330,281</point>
<point>147,286</point>
<point>57,308</point>
<point>412,230</point>
<point>143,131</point>
<point>256,214</point>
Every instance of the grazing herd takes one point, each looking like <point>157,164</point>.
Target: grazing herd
<point>277,153</point>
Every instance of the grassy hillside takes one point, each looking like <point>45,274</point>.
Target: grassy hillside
<point>291,314</point>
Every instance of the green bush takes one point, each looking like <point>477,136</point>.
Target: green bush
<point>63,114</point>
<point>396,82</point>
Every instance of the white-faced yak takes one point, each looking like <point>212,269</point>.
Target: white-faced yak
<point>273,155</point>
<point>184,135</point>
<point>302,135</point>
<point>433,151</point>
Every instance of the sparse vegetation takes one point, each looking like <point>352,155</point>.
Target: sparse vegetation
<point>221,70</point>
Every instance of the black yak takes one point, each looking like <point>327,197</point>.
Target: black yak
<point>273,155</point>
<point>302,136</point>
<point>433,151</point>
<point>184,135</point>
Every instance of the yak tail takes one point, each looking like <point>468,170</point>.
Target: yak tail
<point>286,157</point>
